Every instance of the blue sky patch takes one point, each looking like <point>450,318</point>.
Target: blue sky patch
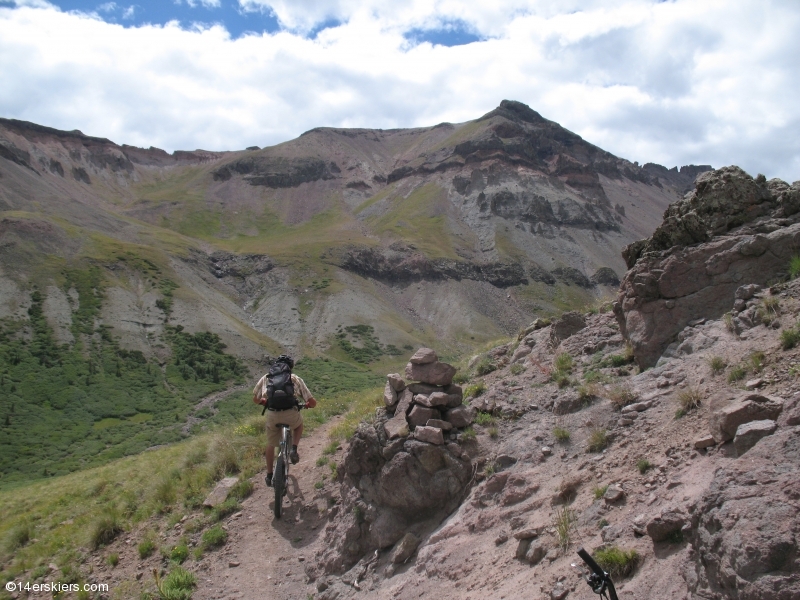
<point>188,12</point>
<point>452,33</point>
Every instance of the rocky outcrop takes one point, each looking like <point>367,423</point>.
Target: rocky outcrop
<point>732,230</point>
<point>402,472</point>
<point>403,264</point>
<point>744,530</point>
<point>277,172</point>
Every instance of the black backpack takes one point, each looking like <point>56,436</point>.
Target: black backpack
<point>280,389</point>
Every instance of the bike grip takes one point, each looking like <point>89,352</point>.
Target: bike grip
<point>587,558</point>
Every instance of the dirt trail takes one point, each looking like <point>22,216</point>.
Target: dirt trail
<point>265,557</point>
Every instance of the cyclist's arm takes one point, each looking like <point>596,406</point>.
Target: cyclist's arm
<point>258,392</point>
<point>302,389</point>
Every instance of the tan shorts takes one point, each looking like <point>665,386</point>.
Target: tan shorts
<point>290,417</point>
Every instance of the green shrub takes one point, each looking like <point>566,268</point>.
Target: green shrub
<point>561,434</point>
<point>602,523</point>
<point>621,396</point>
<point>468,435</point>
<point>643,465</point>
<point>146,547</point>
<point>587,393</point>
<point>717,364</point>
<point>737,373</point>
<point>322,461</point>
<point>484,419</point>
<point>104,529</point>
<point>727,319</point>
<point>220,511</point>
<point>178,585</point>
<point>19,536</point>
<point>493,431</point>
<point>769,310</point>
<point>242,489</point>
<point>598,440</point>
<point>617,562</point>
<point>319,485</point>
<point>214,537</point>
<point>789,338</point>
<point>564,524</point>
<point>485,366</point>
<point>488,469</point>
<point>794,266</point>
<point>112,560</point>
<point>516,369</point>
<point>474,390</point>
<point>179,553</point>
<point>599,491</point>
<point>563,362</point>
<point>757,359</point>
<point>690,399</point>
<point>561,379</point>
<point>331,448</point>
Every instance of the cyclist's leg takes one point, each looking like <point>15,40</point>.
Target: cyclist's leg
<point>270,456</point>
<point>297,433</point>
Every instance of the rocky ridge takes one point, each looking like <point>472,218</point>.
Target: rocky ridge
<point>731,230</point>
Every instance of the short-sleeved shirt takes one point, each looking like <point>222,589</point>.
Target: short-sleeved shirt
<point>300,388</point>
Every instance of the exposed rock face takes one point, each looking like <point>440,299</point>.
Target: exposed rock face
<point>749,434</point>
<point>278,172</point>
<point>754,557</point>
<point>731,229</point>
<point>402,264</point>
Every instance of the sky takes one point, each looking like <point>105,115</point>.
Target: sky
<point>674,82</point>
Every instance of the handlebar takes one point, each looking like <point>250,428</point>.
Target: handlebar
<point>599,580</point>
<point>587,558</point>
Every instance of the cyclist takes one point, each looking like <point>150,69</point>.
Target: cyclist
<point>290,416</point>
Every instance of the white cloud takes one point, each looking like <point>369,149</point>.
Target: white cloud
<point>196,3</point>
<point>129,12</point>
<point>671,82</point>
<point>107,7</point>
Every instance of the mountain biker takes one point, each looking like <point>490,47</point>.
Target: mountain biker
<point>290,416</point>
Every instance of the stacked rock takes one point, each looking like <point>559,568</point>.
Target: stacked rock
<point>429,406</point>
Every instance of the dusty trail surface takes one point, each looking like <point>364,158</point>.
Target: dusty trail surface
<point>264,556</point>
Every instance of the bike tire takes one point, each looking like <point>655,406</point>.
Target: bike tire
<point>279,483</point>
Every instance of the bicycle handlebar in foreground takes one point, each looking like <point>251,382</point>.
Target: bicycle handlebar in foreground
<point>599,581</point>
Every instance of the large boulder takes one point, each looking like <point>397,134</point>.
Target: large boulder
<point>435,373</point>
<point>723,423</point>
<point>389,395</point>
<point>566,325</point>
<point>461,416</point>
<point>662,527</point>
<point>732,230</point>
<point>744,529</point>
<point>420,415</point>
<point>423,356</point>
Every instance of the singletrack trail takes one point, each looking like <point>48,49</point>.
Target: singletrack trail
<point>265,557</point>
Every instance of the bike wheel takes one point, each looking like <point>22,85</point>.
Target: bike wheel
<point>279,483</point>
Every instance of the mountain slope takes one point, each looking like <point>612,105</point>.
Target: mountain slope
<point>344,243</point>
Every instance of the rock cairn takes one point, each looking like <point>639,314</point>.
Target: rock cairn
<point>430,407</point>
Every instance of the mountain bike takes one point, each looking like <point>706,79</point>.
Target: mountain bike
<point>599,580</point>
<point>280,478</point>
